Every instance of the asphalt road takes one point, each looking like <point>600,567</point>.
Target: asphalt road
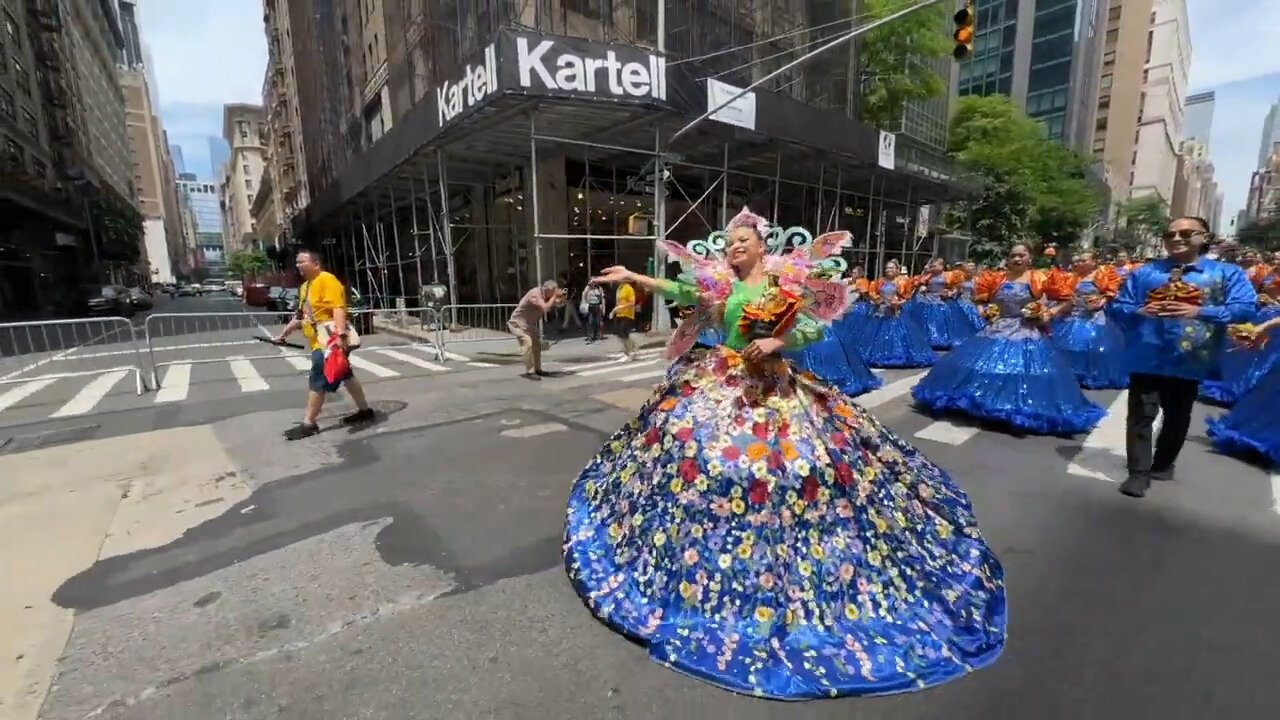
<point>412,569</point>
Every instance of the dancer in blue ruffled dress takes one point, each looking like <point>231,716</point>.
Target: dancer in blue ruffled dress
<point>1092,342</point>
<point>1009,372</point>
<point>933,304</point>
<point>755,529</point>
<point>887,337</point>
<point>1253,425</point>
<point>1243,366</point>
<point>967,272</point>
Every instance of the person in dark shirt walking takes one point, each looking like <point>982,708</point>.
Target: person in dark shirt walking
<point>1175,312</point>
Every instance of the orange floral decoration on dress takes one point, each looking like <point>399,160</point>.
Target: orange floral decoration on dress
<point>1257,274</point>
<point>1177,290</point>
<point>905,285</point>
<point>1043,285</point>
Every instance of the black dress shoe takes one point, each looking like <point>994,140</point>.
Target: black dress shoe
<point>1135,486</point>
<point>1165,475</point>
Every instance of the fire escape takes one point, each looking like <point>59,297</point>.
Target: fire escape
<point>46,28</point>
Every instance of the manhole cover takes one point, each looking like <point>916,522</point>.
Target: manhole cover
<point>25,443</point>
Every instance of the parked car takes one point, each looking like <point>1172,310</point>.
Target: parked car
<point>276,298</point>
<point>188,290</point>
<point>140,299</point>
<point>214,285</point>
<point>108,300</point>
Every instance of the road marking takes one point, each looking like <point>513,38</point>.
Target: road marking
<point>176,384</point>
<point>533,430</point>
<point>1102,457</point>
<point>166,348</point>
<point>886,393</point>
<point>90,395</point>
<point>247,375</point>
<point>616,366</point>
<point>482,364</point>
<point>643,376</point>
<point>370,367</point>
<point>944,431</point>
<point>407,358</point>
<point>297,361</point>
<point>456,356</point>
<point>12,397</point>
<point>606,363</point>
<point>1275,491</point>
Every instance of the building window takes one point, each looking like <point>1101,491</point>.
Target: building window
<point>1105,82</point>
<point>39,169</point>
<point>13,155</point>
<point>246,168</point>
<point>20,75</point>
<point>647,20</point>
<point>248,183</point>
<point>586,8</point>
<point>6,103</point>
<point>11,27</point>
<point>29,124</point>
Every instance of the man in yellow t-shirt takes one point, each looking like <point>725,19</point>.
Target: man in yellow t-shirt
<point>322,299</point>
<point>624,312</point>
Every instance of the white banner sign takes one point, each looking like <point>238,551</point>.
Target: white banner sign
<point>888,144</point>
<point>739,113</point>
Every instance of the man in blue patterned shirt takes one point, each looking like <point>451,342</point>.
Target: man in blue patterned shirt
<point>1175,311</point>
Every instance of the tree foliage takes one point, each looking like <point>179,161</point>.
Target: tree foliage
<point>1139,221</point>
<point>896,61</point>
<point>1037,190</point>
<point>246,264</point>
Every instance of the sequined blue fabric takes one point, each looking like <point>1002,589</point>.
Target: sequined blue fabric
<point>1242,367</point>
<point>1010,373</point>
<point>971,313</point>
<point>835,361</point>
<point>761,532</point>
<point>944,321</point>
<point>1251,426</point>
<point>1092,343</point>
<point>888,337</point>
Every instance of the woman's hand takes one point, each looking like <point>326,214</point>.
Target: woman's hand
<point>615,275</point>
<point>759,349</point>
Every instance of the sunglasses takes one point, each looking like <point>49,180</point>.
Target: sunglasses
<point>1182,234</point>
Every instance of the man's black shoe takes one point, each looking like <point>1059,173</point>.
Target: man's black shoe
<point>542,373</point>
<point>301,430</point>
<point>359,417</point>
<point>1135,486</point>
<point>531,376</point>
<point>1165,475</point>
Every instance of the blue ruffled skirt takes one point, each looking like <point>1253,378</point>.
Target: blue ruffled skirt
<point>1010,375</point>
<point>944,322</point>
<point>1242,368</point>
<point>1251,426</point>
<point>888,341</point>
<point>1095,349</point>
<point>972,314</point>
<point>763,533</point>
<point>835,361</point>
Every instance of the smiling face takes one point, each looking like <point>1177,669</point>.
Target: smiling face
<point>1184,237</point>
<point>744,249</point>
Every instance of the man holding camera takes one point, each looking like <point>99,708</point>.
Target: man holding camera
<point>322,314</point>
<point>525,324</point>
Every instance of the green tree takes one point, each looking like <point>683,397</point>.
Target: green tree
<point>1037,191</point>
<point>1139,221</point>
<point>896,61</point>
<point>247,264</point>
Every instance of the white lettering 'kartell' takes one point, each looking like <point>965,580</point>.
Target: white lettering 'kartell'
<point>583,74</point>
<point>478,81</point>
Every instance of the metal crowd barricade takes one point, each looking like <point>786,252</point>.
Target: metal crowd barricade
<point>47,350</point>
<point>474,323</point>
<point>203,338</point>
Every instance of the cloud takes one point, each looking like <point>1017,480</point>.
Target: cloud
<point>205,53</point>
<point>1239,110</point>
<point>1243,29</point>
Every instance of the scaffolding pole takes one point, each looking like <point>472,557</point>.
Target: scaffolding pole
<point>533,200</point>
<point>661,320</point>
<point>446,229</point>
<point>395,237</point>
<point>413,216</point>
<point>724,188</point>
<point>432,228</point>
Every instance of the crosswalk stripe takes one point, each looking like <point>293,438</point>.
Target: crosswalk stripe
<point>90,395</point>
<point>605,363</point>
<point>13,396</point>
<point>418,362</point>
<point>616,366</point>
<point>482,364</point>
<point>889,392</point>
<point>298,362</point>
<point>247,375</point>
<point>431,350</point>
<point>176,384</point>
<point>945,431</point>
<point>366,365</point>
<point>455,356</point>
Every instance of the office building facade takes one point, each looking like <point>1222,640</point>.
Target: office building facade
<point>1197,121</point>
<point>285,176</point>
<point>244,127</point>
<point>1267,145</point>
<point>203,222</point>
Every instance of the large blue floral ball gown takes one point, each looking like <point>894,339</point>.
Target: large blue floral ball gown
<point>1253,425</point>
<point>887,336</point>
<point>1092,343</point>
<point>754,528</point>
<point>1243,367</point>
<point>944,320</point>
<point>1010,373</point>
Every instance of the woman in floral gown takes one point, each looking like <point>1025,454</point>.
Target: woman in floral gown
<point>755,529</point>
<point>1010,373</point>
<point>1091,341</point>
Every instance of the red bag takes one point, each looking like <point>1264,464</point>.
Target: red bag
<point>336,365</point>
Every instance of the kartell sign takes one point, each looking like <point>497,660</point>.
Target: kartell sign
<point>549,65</point>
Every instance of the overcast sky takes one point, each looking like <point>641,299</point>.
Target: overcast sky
<point>211,52</point>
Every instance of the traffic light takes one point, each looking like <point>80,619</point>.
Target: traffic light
<point>964,32</point>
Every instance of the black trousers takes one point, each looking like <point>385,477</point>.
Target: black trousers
<point>1148,395</point>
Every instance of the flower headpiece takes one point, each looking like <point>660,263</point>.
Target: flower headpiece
<point>748,219</point>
